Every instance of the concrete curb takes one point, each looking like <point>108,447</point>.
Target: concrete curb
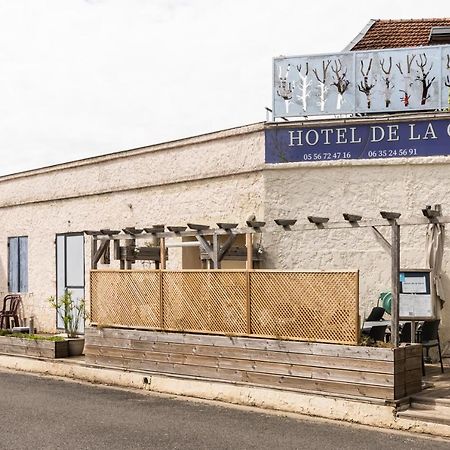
<point>335,408</point>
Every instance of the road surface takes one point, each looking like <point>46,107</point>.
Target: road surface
<point>48,413</point>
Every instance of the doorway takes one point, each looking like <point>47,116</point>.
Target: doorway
<point>70,269</point>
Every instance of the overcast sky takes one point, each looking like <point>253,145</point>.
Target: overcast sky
<point>80,78</point>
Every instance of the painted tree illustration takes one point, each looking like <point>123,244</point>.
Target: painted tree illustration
<point>303,86</point>
<point>340,82</point>
<point>323,83</point>
<point>422,77</point>
<point>388,85</point>
<point>364,85</point>
<point>285,87</point>
<point>447,79</point>
<point>407,78</point>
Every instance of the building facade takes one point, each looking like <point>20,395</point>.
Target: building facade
<point>220,177</point>
<point>229,176</point>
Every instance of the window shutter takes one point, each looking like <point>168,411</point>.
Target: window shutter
<point>13,265</point>
<point>23,264</point>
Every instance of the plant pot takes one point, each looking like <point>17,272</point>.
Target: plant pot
<point>76,346</point>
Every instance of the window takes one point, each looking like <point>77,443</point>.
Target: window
<point>18,264</point>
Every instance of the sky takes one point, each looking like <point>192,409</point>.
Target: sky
<point>80,78</point>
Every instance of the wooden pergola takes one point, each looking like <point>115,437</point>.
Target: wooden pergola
<point>208,240</point>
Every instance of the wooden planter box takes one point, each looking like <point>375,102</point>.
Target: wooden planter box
<point>380,373</point>
<point>32,347</point>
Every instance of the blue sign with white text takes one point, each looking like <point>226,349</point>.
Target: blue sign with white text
<point>357,141</point>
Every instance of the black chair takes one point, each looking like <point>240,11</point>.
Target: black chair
<point>428,336</point>
<point>376,314</point>
<point>378,332</point>
<point>405,333</point>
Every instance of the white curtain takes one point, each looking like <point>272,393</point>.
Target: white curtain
<point>434,253</point>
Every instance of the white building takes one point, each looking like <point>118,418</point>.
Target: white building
<point>226,176</point>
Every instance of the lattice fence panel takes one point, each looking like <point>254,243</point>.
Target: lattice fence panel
<point>205,301</point>
<point>315,306</point>
<point>125,298</point>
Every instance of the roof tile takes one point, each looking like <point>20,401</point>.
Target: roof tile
<point>399,33</point>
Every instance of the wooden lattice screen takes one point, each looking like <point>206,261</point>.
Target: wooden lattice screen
<point>312,306</point>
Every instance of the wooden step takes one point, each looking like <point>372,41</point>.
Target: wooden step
<point>425,416</point>
<point>427,399</point>
<point>437,408</point>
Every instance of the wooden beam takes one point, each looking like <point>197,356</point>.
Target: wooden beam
<point>297,228</point>
<point>99,252</point>
<point>249,267</point>
<point>117,249</point>
<point>382,240</point>
<point>106,256</point>
<point>132,244</point>
<point>162,253</point>
<point>215,252</point>
<point>227,245</point>
<point>249,245</point>
<point>204,244</point>
<point>94,245</point>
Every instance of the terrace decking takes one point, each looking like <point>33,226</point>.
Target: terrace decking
<point>433,403</point>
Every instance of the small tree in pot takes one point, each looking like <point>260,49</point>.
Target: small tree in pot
<point>72,312</point>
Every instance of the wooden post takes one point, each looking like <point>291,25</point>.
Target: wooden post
<point>216,250</point>
<point>249,246</point>
<point>116,249</point>
<point>162,266</point>
<point>162,253</point>
<point>395,280</point>
<point>249,267</point>
<point>93,252</point>
<point>131,245</point>
<point>106,257</point>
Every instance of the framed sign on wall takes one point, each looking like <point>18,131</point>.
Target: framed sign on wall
<point>417,300</point>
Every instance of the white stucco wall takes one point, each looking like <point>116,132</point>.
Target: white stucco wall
<point>208,179</point>
<point>360,187</point>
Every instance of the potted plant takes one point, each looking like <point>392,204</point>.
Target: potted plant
<point>72,312</point>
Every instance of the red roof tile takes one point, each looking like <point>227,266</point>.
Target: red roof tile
<point>399,33</point>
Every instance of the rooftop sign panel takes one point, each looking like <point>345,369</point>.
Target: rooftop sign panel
<point>375,81</point>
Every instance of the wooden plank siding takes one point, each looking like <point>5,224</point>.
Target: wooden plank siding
<point>380,373</point>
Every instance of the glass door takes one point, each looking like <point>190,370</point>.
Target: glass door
<point>70,269</point>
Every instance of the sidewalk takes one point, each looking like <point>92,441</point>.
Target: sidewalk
<point>358,410</point>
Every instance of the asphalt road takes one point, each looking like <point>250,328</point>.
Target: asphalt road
<point>47,413</point>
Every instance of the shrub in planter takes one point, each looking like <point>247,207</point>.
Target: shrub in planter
<point>72,312</point>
